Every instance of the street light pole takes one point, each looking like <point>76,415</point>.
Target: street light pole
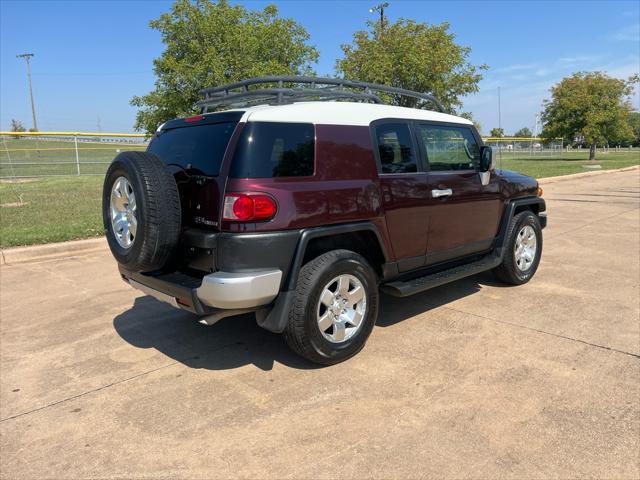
<point>27,57</point>
<point>380,8</point>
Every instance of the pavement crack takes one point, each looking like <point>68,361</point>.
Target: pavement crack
<point>544,332</point>
<point>104,387</point>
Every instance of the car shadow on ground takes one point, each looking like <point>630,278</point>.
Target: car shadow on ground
<point>238,341</point>
<point>395,309</point>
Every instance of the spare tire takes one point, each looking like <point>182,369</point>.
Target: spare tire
<point>141,211</point>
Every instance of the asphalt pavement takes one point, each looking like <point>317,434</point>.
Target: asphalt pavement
<point>473,379</point>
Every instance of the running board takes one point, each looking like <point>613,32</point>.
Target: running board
<point>420,284</point>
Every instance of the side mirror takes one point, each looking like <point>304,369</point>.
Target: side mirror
<point>486,159</point>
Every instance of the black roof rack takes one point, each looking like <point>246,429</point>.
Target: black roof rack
<point>280,90</point>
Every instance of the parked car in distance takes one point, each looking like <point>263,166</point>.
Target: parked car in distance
<point>302,211</point>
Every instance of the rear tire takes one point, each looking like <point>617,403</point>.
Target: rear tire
<point>334,292</point>
<point>523,249</point>
<point>141,211</point>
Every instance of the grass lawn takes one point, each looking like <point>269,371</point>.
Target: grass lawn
<point>47,210</point>
<point>573,162</point>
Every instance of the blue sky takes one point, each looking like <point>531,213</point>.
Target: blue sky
<point>91,57</point>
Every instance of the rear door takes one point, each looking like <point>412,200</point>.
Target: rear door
<point>194,149</point>
<point>463,213</point>
<point>405,192</point>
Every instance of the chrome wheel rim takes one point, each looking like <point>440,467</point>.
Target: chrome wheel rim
<point>124,221</point>
<point>341,309</point>
<point>525,248</point>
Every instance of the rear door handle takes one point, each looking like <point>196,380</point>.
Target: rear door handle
<point>445,192</point>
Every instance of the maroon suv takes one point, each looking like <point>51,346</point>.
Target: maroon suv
<point>300,211</point>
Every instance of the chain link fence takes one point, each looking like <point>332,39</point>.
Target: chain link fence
<point>50,154</point>
<point>526,147</point>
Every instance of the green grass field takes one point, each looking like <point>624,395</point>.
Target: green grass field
<point>572,162</point>
<point>43,210</point>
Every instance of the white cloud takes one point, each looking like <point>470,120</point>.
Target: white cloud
<point>516,68</point>
<point>630,33</point>
<point>578,60</point>
<point>521,97</point>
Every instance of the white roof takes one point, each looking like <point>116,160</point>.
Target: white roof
<point>341,113</point>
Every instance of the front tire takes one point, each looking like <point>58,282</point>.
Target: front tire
<point>334,308</point>
<point>523,249</point>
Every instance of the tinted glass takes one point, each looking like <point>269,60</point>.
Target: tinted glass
<point>450,148</point>
<point>198,149</point>
<point>396,149</point>
<point>269,149</point>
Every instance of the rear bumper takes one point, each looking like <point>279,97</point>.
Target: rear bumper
<point>215,296</point>
<point>239,290</point>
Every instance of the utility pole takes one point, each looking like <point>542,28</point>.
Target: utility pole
<point>499,128</point>
<point>380,8</point>
<point>27,57</point>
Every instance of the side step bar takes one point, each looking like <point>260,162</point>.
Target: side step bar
<point>417,285</point>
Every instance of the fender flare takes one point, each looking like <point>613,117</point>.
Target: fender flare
<point>312,233</point>
<point>508,213</point>
<point>275,318</point>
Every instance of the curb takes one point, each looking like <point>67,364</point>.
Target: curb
<point>50,251</point>
<point>574,176</point>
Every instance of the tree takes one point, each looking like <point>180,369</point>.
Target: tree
<point>633,119</point>
<point>17,126</point>
<point>469,116</point>
<point>210,44</point>
<point>590,107</point>
<point>411,55</point>
<point>496,132</point>
<point>524,132</point>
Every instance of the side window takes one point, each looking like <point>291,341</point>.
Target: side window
<point>450,148</point>
<point>270,149</point>
<point>395,148</point>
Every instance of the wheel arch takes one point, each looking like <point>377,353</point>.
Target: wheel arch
<point>362,238</point>
<point>536,205</point>
<point>317,240</point>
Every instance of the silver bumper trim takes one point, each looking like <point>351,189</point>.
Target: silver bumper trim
<point>239,290</point>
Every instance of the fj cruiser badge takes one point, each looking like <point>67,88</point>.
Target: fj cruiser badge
<point>204,221</point>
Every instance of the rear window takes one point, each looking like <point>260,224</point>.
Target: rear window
<point>269,149</point>
<point>198,149</point>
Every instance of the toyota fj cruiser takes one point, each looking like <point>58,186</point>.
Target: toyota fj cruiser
<point>301,210</point>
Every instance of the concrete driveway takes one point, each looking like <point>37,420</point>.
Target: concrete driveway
<point>472,379</point>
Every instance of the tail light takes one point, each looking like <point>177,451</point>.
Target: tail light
<point>248,207</point>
